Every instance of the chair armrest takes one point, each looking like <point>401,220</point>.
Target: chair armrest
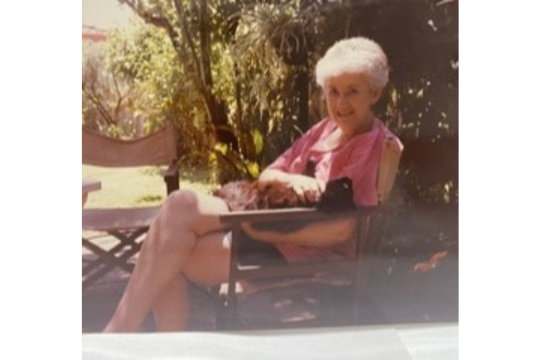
<point>172,177</point>
<point>237,217</point>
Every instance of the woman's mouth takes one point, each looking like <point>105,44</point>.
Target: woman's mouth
<point>345,115</point>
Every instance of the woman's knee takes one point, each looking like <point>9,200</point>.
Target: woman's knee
<point>177,214</point>
<point>181,201</point>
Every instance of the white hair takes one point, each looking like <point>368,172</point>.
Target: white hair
<point>354,55</point>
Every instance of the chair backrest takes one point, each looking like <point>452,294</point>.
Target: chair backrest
<point>158,148</point>
<point>392,149</point>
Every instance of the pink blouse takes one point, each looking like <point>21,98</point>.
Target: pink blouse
<point>357,159</point>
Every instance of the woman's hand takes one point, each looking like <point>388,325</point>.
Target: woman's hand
<point>307,188</point>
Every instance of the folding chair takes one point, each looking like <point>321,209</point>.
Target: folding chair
<point>347,275</point>
<point>126,225</point>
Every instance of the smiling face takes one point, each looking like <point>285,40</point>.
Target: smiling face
<point>349,99</point>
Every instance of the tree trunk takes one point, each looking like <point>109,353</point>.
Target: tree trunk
<point>217,110</point>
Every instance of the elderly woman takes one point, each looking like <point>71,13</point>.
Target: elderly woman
<point>186,242</point>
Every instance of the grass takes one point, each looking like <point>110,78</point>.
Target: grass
<point>134,187</point>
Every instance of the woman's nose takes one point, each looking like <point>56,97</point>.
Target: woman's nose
<point>342,102</point>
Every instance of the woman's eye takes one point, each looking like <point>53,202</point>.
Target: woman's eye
<point>332,92</point>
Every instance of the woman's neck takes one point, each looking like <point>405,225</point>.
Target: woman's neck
<point>364,127</point>
<point>338,137</point>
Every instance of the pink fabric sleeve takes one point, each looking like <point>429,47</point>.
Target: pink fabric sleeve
<point>283,162</point>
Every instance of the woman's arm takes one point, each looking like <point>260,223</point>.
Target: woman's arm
<point>274,175</point>
<point>321,233</point>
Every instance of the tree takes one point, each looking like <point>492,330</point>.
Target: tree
<point>188,26</point>
<point>106,95</point>
<point>235,83</point>
<point>161,91</point>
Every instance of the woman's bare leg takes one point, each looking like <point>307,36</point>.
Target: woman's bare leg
<point>184,217</point>
<point>171,309</point>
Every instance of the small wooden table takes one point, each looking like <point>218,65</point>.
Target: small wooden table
<point>126,225</point>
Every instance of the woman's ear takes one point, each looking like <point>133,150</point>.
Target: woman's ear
<point>375,95</point>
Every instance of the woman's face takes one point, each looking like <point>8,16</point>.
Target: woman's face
<point>349,99</point>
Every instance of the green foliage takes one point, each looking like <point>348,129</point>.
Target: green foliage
<point>163,91</point>
<point>263,109</point>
